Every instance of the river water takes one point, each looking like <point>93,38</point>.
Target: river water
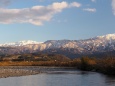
<point>60,77</point>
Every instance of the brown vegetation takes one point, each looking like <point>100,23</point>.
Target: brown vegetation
<point>104,65</point>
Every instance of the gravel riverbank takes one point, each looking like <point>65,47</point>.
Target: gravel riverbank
<point>14,71</point>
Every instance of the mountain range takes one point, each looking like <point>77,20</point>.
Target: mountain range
<point>97,44</point>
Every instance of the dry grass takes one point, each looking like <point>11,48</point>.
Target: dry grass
<point>35,63</point>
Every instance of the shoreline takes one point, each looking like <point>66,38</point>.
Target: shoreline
<point>16,71</point>
<point>10,71</point>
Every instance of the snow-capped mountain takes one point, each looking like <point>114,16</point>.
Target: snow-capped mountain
<point>20,43</point>
<point>91,45</point>
<point>99,43</point>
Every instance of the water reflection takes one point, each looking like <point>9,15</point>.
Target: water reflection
<point>109,79</point>
<point>60,78</point>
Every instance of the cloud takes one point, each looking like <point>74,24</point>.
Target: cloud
<point>36,15</point>
<point>4,2</point>
<point>93,0</point>
<point>113,6</point>
<point>75,4</point>
<point>90,9</point>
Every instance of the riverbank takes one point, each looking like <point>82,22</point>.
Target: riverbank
<point>60,77</point>
<point>16,71</point>
<point>20,68</point>
<point>13,71</point>
<point>104,65</point>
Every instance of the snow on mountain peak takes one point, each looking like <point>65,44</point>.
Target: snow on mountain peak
<point>28,42</point>
<point>20,43</point>
<point>108,36</point>
<point>96,41</point>
<point>95,44</point>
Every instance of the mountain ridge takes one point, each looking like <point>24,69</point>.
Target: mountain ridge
<point>26,42</point>
<point>88,46</point>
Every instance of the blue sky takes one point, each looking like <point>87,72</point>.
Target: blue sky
<point>42,20</point>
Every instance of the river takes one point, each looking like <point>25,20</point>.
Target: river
<point>60,77</point>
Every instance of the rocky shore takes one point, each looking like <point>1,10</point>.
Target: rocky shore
<point>14,71</point>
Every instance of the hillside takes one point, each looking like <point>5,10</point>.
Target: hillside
<point>70,48</point>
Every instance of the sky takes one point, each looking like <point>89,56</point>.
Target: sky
<point>42,20</point>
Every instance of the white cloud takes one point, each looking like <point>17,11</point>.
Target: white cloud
<point>113,6</point>
<point>36,15</point>
<point>90,9</point>
<point>93,0</point>
<point>75,4</point>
